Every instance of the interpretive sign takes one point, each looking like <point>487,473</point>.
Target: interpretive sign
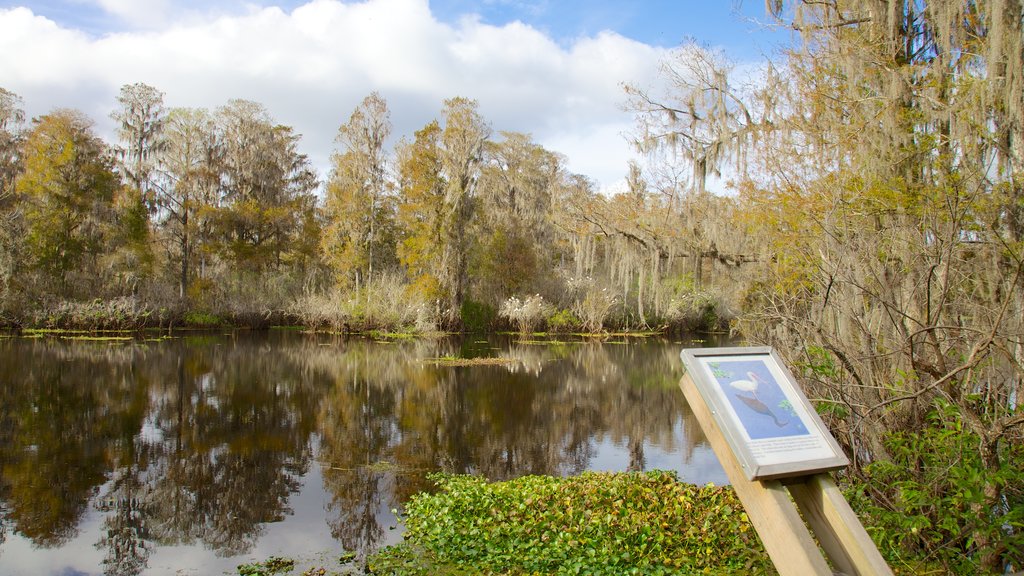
<point>767,421</point>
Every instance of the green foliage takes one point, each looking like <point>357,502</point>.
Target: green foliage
<point>503,262</point>
<point>68,185</point>
<point>928,501</point>
<point>199,319</point>
<point>564,321</point>
<point>819,363</point>
<point>595,523</point>
<point>477,316</point>
<point>273,565</point>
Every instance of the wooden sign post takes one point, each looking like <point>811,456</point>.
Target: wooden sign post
<point>777,454</point>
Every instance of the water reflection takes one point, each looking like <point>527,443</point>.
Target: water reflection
<point>204,441</point>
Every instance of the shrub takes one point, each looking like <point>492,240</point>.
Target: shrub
<point>594,307</point>
<point>199,319</point>
<point>928,501</point>
<point>527,313</point>
<point>697,311</point>
<point>564,321</point>
<point>383,304</point>
<point>476,316</point>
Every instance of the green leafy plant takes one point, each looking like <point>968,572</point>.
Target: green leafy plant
<point>199,319</point>
<point>477,317</point>
<point>595,523</point>
<point>564,321</point>
<point>927,503</point>
<point>272,565</point>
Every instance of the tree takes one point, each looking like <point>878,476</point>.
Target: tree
<point>68,185</point>
<point>267,183</point>
<point>420,206</point>
<point>513,232</point>
<point>357,203</point>
<point>141,120</point>
<point>702,119</point>
<point>11,118</point>
<point>888,193</point>
<point>188,183</point>
<point>438,175</point>
<point>462,143</point>
<point>140,123</point>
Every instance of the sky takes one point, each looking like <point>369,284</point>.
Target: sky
<point>553,69</point>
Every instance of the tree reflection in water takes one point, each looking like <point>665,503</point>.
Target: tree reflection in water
<point>204,440</point>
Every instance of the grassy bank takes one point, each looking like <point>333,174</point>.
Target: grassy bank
<point>386,304</point>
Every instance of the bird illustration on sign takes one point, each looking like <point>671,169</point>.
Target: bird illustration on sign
<point>749,387</point>
<point>758,401</point>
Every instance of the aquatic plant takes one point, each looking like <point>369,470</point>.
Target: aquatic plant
<point>594,523</point>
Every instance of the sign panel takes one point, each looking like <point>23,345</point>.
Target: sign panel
<point>769,424</point>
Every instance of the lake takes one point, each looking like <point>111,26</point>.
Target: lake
<point>196,453</point>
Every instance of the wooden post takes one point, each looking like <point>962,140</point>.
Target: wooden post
<point>774,515</point>
<point>837,527</point>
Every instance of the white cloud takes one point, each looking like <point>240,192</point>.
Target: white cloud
<point>313,65</point>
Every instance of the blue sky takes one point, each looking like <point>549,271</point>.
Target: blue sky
<point>729,24</point>
<point>733,26</point>
<point>551,68</point>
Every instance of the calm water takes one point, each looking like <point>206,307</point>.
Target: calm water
<point>192,455</point>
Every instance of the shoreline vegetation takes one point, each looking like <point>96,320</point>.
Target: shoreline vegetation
<point>326,315</point>
<point>596,523</point>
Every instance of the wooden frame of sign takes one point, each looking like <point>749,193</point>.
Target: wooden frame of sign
<point>768,422</point>
<point>777,454</point>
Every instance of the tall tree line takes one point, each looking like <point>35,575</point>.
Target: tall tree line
<point>218,211</point>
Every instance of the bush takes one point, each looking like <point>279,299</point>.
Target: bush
<point>199,319</point>
<point>527,313</point>
<point>595,523</point>
<point>477,317</point>
<point>564,321</point>
<point>594,307</point>
<point>384,304</point>
<point>928,501</point>
<point>697,311</point>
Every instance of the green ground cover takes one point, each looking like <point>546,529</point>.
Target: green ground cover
<point>595,523</point>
